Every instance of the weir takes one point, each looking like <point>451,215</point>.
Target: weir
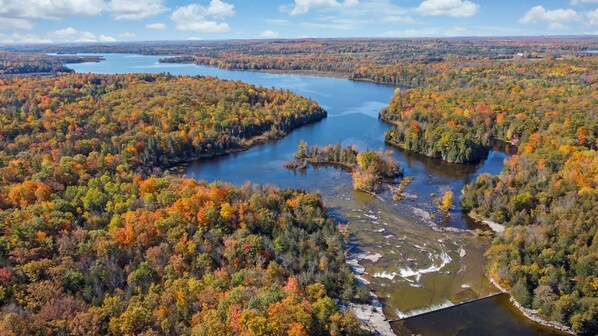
<point>445,308</point>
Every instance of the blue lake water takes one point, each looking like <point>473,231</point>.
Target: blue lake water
<point>420,268</point>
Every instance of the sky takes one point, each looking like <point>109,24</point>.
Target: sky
<point>42,21</point>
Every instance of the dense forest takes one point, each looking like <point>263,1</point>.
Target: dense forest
<point>547,195</point>
<point>399,62</point>
<point>76,151</point>
<point>141,121</point>
<point>91,243</point>
<point>473,103</point>
<point>384,50</point>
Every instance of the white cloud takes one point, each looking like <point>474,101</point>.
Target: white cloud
<point>84,36</point>
<point>557,19</point>
<point>194,17</point>
<point>455,8</point>
<point>71,34</point>
<point>18,14</point>
<point>157,25</point>
<point>592,17</point>
<point>358,16</point>
<point>219,9</point>
<point>136,9</point>
<point>15,23</point>
<point>70,31</point>
<point>304,6</point>
<point>44,9</point>
<point>104,38</point>
<point>68,34</point>
<point>21,38</point>
<point>269,34</point>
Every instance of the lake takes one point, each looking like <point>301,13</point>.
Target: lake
<point>398,248</point>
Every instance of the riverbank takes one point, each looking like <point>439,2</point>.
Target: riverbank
<point>494,226</point>
<point>313,73</point>
<point>178,165</point>
<point>371,315</point>
<point>533,314</point>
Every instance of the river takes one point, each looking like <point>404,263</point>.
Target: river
<point>398,248</point>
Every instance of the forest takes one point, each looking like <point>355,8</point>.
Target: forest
<point>96,240</point>
<point>547,194</point>
<point>77,149</point>
<point>400,62</point>
<point>143,121</point>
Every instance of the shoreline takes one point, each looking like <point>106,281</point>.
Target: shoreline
<point>532,314</point>
<point>371,316</point>
<point>313,73</point>
<point>177,165</point>
<point>494,226</point>
<point>309,73</point>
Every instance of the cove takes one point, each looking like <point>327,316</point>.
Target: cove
<point>399,249</point>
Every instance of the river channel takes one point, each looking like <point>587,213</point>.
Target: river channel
<point>411,257</point>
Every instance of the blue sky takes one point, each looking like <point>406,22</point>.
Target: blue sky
<point>131,20</point>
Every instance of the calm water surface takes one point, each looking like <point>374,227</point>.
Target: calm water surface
<point>417,268</point>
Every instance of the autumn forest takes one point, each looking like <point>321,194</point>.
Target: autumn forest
<point>99,235</point>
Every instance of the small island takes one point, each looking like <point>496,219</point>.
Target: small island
<point>369,169</point>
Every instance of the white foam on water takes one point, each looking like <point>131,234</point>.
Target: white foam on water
<point>407,272</point>
<point>423,310</point>
<point>385,274</point>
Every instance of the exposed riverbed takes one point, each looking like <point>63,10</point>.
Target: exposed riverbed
<point>414,259</point>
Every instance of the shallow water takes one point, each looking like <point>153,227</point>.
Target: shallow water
<point>410,266</point>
